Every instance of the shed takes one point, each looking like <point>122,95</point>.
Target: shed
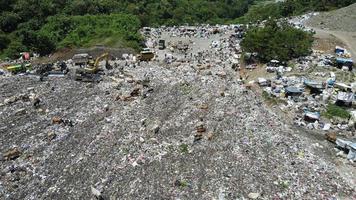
<point>293,91</point>
<point>315,87</point>
<point>344,98</point>
<point>339,50</point>
<point>340,62</point>
<point>311,116</point>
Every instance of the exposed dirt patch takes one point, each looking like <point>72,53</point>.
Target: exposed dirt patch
<point>65,54</point>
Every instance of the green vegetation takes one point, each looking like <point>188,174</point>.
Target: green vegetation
<point>272,100</point>
<point>184,148</point>
<point>182,183</point>
<point>77,31</point>
<point>46,25</point>
<point>333,110</point>
<point>277,41</point>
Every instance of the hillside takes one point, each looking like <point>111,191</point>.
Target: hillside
<point>339,24</point>
<point>22,22</point>
<point>343,19</point>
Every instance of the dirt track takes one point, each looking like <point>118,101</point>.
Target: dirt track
<point>339,23</point>
<point>348,38</point>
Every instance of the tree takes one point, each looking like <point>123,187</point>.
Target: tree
<point>14,48</point>
<point>277,41</point>
<point>9,21</point>
<point>4,41</point>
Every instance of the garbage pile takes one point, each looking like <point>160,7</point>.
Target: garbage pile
<point>315,92</point>
<point>181,125</point>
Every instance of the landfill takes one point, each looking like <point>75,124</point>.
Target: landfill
<point>189,123</point>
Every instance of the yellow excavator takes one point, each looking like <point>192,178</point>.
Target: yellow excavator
<point>90,72</point>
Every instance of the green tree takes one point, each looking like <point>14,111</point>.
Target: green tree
<point>4,41</point>
<point>9,21</point>
<point>277,41</point>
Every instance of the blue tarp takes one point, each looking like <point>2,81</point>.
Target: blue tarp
<point>343,60</point>
<point>339,50</point>
<point>294,90</point>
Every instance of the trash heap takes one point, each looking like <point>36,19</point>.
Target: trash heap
<point>317,91</point>
<point>181,125</point>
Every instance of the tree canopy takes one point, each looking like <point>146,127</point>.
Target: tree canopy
<point>23,23</point>
<point>277,40</point>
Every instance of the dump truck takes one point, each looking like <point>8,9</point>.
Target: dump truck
<point>161,44</point>
<point>146,55</point>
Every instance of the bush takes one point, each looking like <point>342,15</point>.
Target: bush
<point>333,110</point>
<point>76,31</point>
<point>277,41</point>
<point>4,41</point>
<point>14,48</point>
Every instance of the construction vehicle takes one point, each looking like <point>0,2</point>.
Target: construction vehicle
<point>90,72</point>
<point>161,44</point>
<point>18,68</point>
<point>81,59</point>
<point>146,55</point>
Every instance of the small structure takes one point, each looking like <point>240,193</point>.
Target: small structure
<point>315,87</point>
<point>293,91</point>
<point>348,146</point>
<point>344,62</point>
<point>311,116</point>
<point>262,82</point>
<point>344,98</point>
<point>161,44</point>
<point>343,86</point>
<point>339,50</point>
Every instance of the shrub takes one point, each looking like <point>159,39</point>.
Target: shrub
<point>333,110</point>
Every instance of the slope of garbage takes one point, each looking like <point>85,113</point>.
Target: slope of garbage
<point>182,126</point>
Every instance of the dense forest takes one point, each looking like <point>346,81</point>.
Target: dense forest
<point>46,25</point>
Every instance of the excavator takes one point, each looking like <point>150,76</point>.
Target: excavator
<point>90,73</point>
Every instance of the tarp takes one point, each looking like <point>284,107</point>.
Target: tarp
<point>349,145</point>
<point>314,116</point>
<point>339,50</point>
<point>342,86</point>
<point>313,84</point>
<point>344,60</point>
<point>294,90</point>
<point>345,97</point>
<point>352,152</point>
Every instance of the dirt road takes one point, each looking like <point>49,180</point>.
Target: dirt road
<point>348,38</point>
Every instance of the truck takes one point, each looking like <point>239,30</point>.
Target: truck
<point>146,55</point>
<point>161,44</point>
<point>81,59</point>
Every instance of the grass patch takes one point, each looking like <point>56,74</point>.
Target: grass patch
<point>333,110</point>
<point>271,100</point>
<point>184,148</point>
<point>185,88</point>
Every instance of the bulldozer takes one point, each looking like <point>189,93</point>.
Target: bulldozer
<point>90,73</point>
